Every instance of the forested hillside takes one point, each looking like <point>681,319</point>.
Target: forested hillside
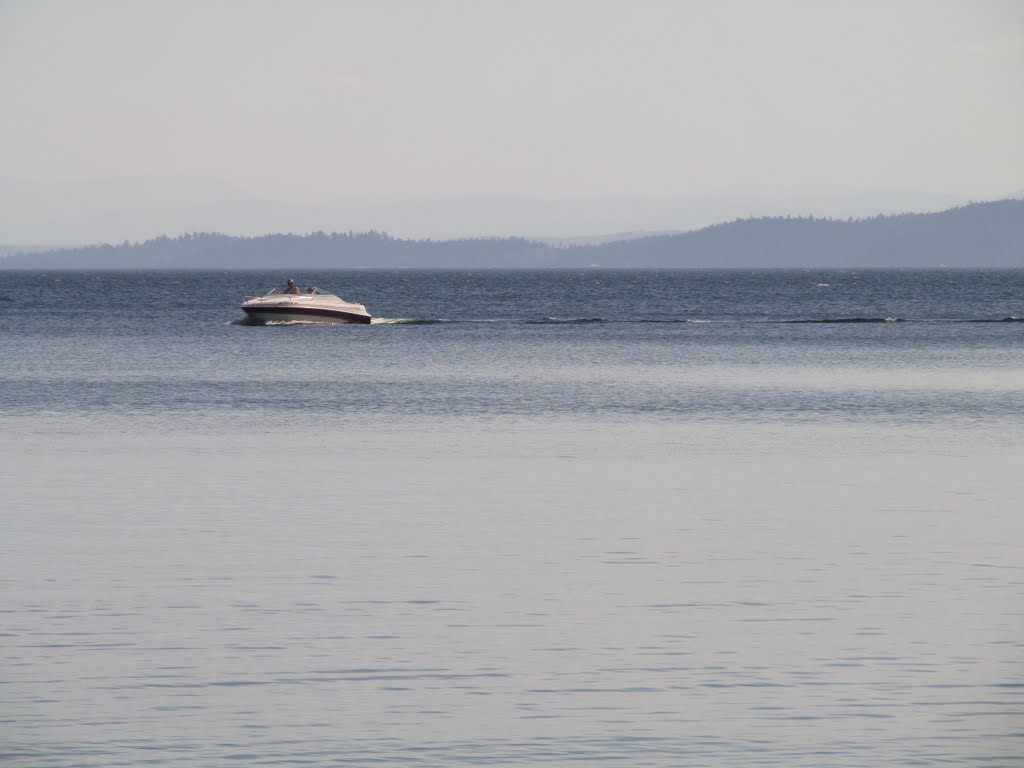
<point>977,235</point>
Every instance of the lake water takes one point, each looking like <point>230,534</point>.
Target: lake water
<point>677,518</point>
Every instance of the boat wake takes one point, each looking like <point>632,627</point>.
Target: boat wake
<point>540,321</point>
<point>567,320</point>
<point>605,320</point>
<point>845,320</point>
<point>1010,319</point>
<point>692,321</point>
<point>415,321</point>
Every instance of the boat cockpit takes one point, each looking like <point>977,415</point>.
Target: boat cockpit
<point>300,290</point>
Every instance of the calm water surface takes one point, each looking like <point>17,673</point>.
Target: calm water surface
<point>673,518</point>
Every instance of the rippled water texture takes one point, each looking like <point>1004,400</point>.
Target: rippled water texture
<point>524,518</point>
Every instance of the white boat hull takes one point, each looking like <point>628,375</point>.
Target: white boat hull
<point>308,307</point>
<point>303,315</point>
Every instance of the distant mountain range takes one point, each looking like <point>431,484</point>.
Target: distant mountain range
<point>112,210</point>
<point>975,235</point>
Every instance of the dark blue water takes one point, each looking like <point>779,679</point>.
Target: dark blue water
<point>530,343</point>
<point>524,518</point>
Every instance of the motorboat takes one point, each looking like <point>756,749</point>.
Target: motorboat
<point>303,304</point>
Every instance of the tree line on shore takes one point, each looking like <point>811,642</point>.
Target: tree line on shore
<point>979,234</point>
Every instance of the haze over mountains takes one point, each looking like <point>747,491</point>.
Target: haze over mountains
<point>976,235</point>
<point>113,210</point>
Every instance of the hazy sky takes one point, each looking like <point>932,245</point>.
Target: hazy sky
<point>311,101</point>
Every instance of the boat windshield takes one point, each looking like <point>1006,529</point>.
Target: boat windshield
<point>299,290</point>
